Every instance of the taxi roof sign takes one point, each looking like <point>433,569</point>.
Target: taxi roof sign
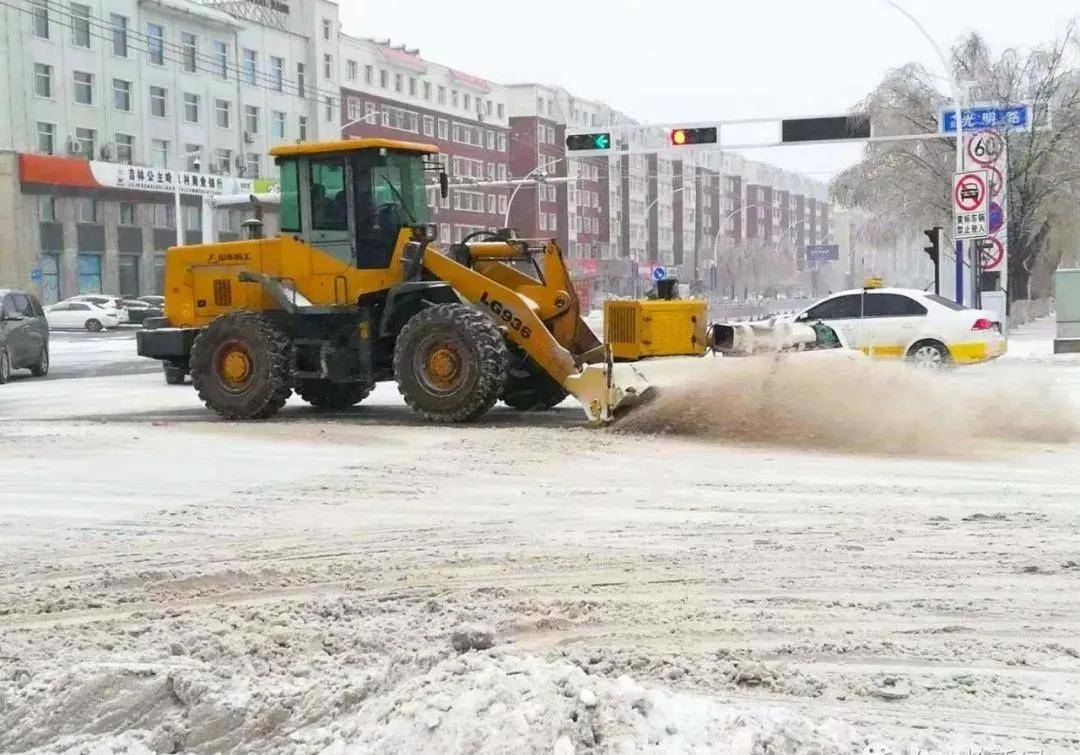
<point>873,283</point>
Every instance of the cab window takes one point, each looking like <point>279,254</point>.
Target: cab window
<point>7,305</point>
<point>22,305</point>
<point>290,196</point>
<point>893,305</point>
<point>329,209</point>
<point>843,307</point>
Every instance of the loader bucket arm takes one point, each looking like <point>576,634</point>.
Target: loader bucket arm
<point>592,385</point>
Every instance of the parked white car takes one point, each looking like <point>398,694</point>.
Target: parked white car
<point>114,304</point>
<point>906,323</point>
<point>80,315</point>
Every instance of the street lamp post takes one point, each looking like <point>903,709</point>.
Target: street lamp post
<point>362,119</point>
<point>958,105</point>
<point>526,177</point>
<point>179,220</point>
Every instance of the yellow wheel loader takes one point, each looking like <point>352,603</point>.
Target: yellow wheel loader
<point>354,291</point>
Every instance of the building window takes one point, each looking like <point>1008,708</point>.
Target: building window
<point>85,140</point>
<point>47,209</point>
<point>352,68</point>
<point>491,140</point>
<point>412,87</point>
<point>88,267</point>
<point>369,110</point>
<point>158,97</point>
<point>444,129</point>
<point>491,204</point>
<point>251,119</point>
<point>301,81</point>
<point>502,142</point>
<point>402,120</point>
<point>501,108</point>
<point>329,101</point>
<point>502,172</point>
<point>155,44</point>
<point>429,126</point>
<point>352,108</point>
<point>80,25</point>
<point>46,138</point>
<point>159,153</point>
<point>119,35</point>
<point>129,273</point>
<point>369,74</point>
<point>86,210</point>
<point>127,213</point>
<point>125,148</point>
<point>468,101</point>
<point>250,65</point>
<point>40,12</point>
<point>122,95</point>
<point>189,51</point>
<point>277,73</point>
<point>454,97</point>
<point>502,204</point>
<point>384,78</point>
<point>543,221</point>
<point>191,107</point>
<point>302,127</point>
<point>328,66</point>
<point>221,59</point>
<point>222,113</point>
<point>442,95</point>
<point>193,156</point>
<point>164,216</point>
<point>224,161</point>
<point>42,80</point>
<point>84,88</point>
<point>427,90</point>
<point>326,28</point>
<point>278,127</point>
<point>251,169</point>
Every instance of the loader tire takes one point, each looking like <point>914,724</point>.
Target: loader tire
<point>322,394</point>
<point>450,362</point>
<point>528,388</point>
<point>240,365</point>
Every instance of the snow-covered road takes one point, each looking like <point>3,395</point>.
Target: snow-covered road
<point>171,583</point>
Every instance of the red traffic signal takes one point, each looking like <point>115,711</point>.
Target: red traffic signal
<point>684,136</point>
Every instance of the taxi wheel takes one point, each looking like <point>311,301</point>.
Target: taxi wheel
<point>930,355</point>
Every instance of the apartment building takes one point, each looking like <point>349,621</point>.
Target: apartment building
<point>390,91</point>
<point>114,107</point>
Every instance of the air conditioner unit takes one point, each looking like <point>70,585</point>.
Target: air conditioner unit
<point>249,138</point>
<point>74,147</point>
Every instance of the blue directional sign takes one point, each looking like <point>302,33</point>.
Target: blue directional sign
<point>1011,118</point>
<point>822,252</point>
<point>36,275</point>
<point>659,273</point>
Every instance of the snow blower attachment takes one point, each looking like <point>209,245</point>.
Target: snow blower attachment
<point>354,291</point>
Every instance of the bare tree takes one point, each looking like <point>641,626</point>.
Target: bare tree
<point>906,183</point>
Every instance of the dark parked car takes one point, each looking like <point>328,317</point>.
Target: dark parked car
<point>138,310</point>
<point>24,334</point>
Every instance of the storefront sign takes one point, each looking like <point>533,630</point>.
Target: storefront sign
<point>53,170</point>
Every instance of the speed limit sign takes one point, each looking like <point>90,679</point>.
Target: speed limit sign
<point>984,148</point>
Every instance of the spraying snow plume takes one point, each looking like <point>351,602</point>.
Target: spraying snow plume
<point>836,401</point>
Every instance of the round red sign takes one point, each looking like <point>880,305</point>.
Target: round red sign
<point>969,192</point>
<point>990,253</point>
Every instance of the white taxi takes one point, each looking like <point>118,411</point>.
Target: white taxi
<point>906,323</point>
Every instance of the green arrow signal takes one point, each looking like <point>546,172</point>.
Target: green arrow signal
<point>602,141</point>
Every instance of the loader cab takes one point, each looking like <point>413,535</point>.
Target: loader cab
<point>351,199</point>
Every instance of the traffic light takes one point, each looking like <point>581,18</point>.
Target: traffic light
<point>934,250</point>
<point>684,136</point>
<point>588,141</point>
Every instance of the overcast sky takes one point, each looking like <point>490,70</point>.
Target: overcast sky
<point>663,62</point>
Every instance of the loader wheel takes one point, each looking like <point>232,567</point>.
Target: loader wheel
<point>322,394</point>
<point>240,366</point>
<point>450,362</point>
<point>528,387</point>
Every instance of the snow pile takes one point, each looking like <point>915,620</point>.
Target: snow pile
<point>831,401</point>
<point>510,704</point>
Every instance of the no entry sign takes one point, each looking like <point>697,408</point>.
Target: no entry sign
<point>971,194</point>
<point>990,253</point>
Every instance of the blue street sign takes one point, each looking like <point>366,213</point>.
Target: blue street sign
<point>1011,118</point>
<point>659,273</point>
<point>36,275</point>
<point>822,252</point>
